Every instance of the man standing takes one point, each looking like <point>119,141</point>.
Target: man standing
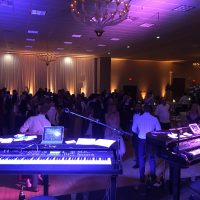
<point>137,113</point>
<point>162,112</point>
<point>144,124</point>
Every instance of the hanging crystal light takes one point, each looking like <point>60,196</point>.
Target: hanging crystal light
<point>100,13</point>
<point>47,57</point>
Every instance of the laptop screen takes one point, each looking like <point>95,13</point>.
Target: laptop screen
<point>53,134</point>
<point>194,128</point>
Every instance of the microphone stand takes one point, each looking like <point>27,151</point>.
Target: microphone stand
<point>118,131</point>
<point>97,122</point>
<point>180,131</point>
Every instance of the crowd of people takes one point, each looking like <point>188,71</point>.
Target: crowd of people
<point>27,113</point>
<point>16,108</point>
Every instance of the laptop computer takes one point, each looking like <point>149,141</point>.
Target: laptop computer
<point>53,135</point>
<point>194,128</point>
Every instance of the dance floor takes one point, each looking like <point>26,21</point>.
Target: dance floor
<point>94,187</point>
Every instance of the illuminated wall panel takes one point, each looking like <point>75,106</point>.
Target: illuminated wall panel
<point>147,74</point>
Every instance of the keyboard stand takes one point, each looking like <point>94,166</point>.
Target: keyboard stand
<point>113,188</point>
<point>46,185</point>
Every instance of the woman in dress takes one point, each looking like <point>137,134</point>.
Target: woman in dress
<point>112,119</point>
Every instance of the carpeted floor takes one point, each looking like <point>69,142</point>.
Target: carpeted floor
<point>189,191</point>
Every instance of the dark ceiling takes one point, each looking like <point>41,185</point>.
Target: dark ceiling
<point>177,22</point>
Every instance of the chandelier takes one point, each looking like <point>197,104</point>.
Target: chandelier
<point>100,13</point>
<point>47,57</point>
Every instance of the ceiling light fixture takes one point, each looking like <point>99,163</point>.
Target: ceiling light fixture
<point>32,32</point>
<point>47,57</point>
<point>184,8</point>
<point>68,43</point>
<point>100,13</point>
<point>28,46</point>
<point>101,45</point>
<point>30,39</point>
<point>76,36</point>
<point>38,12</point>
<point>146,25</point>
<point>115,39</point>
<point>60,48</point>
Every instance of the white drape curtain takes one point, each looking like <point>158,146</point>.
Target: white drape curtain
<point>85,75</point>
<point>21,71</point>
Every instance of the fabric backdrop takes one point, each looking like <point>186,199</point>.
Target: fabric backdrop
<point>21,71</point>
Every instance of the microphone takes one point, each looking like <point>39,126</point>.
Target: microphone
<point>67,110</point>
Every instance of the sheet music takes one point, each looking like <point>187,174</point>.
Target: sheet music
<point>70,142</point>
<point>105,142</point>
<point>30,137</point>
<point>6,140</point>
<point>25,138</point>
<point>173,135</point>
<point>86,141</point>
<point>93,141</point>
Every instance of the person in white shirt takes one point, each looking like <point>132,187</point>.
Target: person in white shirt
<point>144,124</point>
<point>163,113</point>
<point>185,102</point>
<point>137,113</point>
<point>36,124</point>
